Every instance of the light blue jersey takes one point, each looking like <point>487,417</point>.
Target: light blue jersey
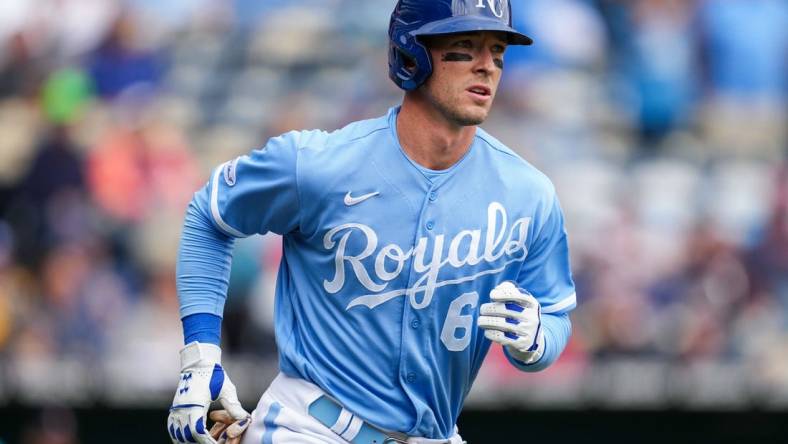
<point>386,263</point>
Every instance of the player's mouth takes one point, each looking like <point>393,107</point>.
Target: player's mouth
<point>480,93</point>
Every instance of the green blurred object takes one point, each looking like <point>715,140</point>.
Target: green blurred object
<point>65,95</point>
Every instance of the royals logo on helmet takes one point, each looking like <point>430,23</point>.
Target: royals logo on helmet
<point>498,7</point>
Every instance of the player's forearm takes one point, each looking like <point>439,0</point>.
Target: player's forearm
<point>204,260</point>
<point>557,329</point>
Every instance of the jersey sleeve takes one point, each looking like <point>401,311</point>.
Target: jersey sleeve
<point>258,192</point>
<point>546,271</point>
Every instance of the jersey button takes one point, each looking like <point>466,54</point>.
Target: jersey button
<point>411,377</point>
<point>430,225</point>
<point>433,196</point>
<point>415,324</point>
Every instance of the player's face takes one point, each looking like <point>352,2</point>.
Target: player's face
<point>466,71</point>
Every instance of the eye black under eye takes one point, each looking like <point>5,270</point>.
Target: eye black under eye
<point>457,57</point>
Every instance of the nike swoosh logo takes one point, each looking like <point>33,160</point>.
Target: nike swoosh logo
<point>350,200</point>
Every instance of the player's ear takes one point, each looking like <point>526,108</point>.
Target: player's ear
<point>407,60</point>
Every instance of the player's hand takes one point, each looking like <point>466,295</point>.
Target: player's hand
<point>226,429</point>
<point>202,380</point>
<point>513,319</point>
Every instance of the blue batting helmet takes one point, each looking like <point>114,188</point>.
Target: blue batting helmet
<point>409,60</point>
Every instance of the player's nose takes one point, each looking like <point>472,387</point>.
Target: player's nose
<point>485,62</point>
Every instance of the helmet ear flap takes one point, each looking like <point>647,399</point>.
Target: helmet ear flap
<point>403,67</point>
<point>409,64</point>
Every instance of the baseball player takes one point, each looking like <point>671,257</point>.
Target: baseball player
<point>412,242</point>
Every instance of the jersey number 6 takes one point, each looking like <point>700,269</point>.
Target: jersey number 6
<point>458,323</point>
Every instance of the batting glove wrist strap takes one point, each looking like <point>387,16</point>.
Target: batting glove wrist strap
<point>195,353</point>
<point>528,357</point>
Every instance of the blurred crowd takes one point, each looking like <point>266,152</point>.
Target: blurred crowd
<point>661,122</point>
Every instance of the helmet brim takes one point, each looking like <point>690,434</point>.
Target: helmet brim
<point>470,23</point>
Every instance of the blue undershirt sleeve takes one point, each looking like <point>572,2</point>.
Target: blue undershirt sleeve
<point>202,272</point>
<point>557,329</point>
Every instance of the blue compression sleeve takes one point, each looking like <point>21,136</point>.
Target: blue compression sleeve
<point>202,327</point>
<point>204,260</point>
<point>557,329</point>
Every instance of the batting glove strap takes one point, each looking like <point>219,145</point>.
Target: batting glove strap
<point>195,353</point>
<point>528,357</point>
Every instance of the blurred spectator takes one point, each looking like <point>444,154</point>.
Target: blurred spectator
<point>661,67</point>
<point>769,259</point>
<point>7,285</point>
<point>55,173</point>
<point>66,95</point>
<point>746,56</point>
<point>122,60</point>
<point>57,167</point>
<point>20,73</point>
<point>567,33</point>
<point>78,301</point>
<point>135,171</point>
<point>746,44</point>
<point>703,294</point>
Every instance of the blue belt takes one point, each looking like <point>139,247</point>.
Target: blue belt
<point>347,425</point>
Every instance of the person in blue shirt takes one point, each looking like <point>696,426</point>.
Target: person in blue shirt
<point>411,243</point>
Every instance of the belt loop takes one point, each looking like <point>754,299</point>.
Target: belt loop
<point>342,422</point>
<point>353,429</point>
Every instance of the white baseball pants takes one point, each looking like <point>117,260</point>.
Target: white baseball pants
<point>282,417</point>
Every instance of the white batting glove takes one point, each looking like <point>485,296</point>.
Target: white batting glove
<point>202,380</point>
<point>513,319</point>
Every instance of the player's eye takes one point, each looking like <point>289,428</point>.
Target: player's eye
<point>498,49</point>
<point>465,44</point>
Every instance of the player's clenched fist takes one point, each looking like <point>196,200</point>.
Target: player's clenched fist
<point>202,380</point>
<point>226,429</point>
<point>513,319</point>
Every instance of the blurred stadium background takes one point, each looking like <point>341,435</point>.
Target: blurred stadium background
<point>661,122</point>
